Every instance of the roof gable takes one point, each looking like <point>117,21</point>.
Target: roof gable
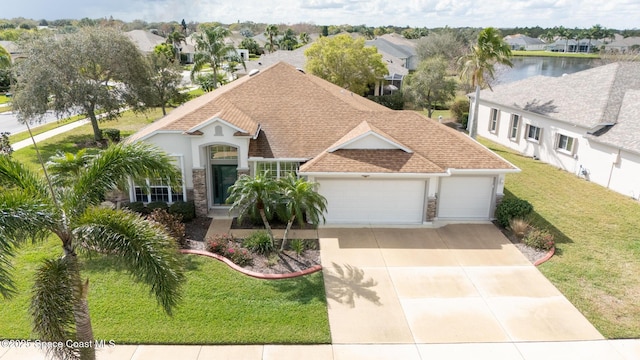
<point>365,136</point>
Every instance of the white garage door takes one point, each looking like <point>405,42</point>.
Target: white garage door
<point>373,201</point>
<point>465,197</point>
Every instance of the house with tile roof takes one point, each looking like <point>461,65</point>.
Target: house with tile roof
<point>587,123</point>
<point>374,165</point>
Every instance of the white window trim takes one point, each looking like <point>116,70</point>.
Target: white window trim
<point>534,140</point>
<point>132,185</point>
<point>277,162</point>
<point>515,138</point>
<point>497,120</point>
<point>563,150</point>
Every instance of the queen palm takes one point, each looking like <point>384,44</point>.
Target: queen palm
<point>300,202</point>
<point>175,39</point>
<point>212,50</point>
<point>271,32</point>
<point>255,193</point>
<point>478,66</point>
<point>31,206</point>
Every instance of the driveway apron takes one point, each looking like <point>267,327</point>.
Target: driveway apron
<point>455,284</point>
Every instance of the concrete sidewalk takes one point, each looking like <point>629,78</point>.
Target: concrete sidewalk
<point>48,134</point>
<point>574,350</point>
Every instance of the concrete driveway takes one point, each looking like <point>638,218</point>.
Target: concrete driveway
<point>455,284</point>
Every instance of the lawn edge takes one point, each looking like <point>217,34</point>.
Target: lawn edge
<point>253,274</point>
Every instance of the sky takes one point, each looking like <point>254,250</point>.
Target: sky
<point>614,14</point>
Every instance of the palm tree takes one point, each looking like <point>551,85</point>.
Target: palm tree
<point>288,41</point>
<point>301,202</point>
<point>476,65</point>
<point>255,193</point>
<point>212,49</point>
<point>175,39</point>
<point>271,32</point>
<point>31,206</point>
<point>304,38</point>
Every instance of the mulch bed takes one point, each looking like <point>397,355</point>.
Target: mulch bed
<point>283,262</point>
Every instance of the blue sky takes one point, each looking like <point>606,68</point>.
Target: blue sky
<point>618,14</point>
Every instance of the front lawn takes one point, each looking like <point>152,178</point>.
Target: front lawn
<point>219,305</point>
<point>598,259</point>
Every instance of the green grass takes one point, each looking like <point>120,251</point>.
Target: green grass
<point>596,230</point>
<point>71,141</point>
<point>43,128</point>
<point>4,99</point>
<point>219,305</point>
<point>553,54</point>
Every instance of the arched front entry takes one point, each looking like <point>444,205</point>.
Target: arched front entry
<point>223,162</point>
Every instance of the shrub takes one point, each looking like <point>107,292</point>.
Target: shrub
<point>218,243</point>
<point>272,260</point>
<point>238,256</point>
<point>519,227</point>
<point>511,208</point>
<point>259,242</point>
<point>138,207</point>
<point>298,246</point>
<point>172,223</point>
<point>112,134</point>
<point>459,109</point>
<point>185,209</point>
<point>394,101</point>
<point>157,205</point>
<point>539,239</point>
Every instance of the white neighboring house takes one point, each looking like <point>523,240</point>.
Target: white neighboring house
<point>524,42</point>
<point>587,123</point>
<point>374,165</point>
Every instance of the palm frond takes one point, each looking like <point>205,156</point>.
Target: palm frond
<point>14,174</point>
<point>21,217</point>
<point>54,293</point>
<point>144,247</point>
<point>112,166</point>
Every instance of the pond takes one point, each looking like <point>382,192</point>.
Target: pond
<point>527,66</point>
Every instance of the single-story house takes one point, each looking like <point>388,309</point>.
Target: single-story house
<point>523,42</point>
<point>587,123</point>
<point>374,165</point>
<point>397,47</point>
<point>146,41</point>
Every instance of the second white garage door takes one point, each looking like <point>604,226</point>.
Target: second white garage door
<point>465,197</point>
<point>373,201</point>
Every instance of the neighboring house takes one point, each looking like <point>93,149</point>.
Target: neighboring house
<point>13,49</point>
<point>523,42</point>
<point>398,47</point>
<point>571,45</point>
<point>587,123</point>
<point>623,45</point>
<point>146,41</point>
<point>295,58</point>
<point>374,165</point>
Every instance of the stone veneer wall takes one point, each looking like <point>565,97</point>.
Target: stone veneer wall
<point>432,205</point>
<point>200,192</point>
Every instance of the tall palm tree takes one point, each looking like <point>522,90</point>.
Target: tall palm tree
<point>478,66</point>
<point>175,39</point>
<point>271,32</point>
<point>212,50</point>
<point>255,193</point>
<point>301,202</point>
<point>31,206</point>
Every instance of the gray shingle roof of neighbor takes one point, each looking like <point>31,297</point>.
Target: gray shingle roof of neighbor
<point>586,98</point>
<point>625,134</point>
<point>145,40</point>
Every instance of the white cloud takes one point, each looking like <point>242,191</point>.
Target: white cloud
<point>618,14</point>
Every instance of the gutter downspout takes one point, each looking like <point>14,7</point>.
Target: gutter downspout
<point>613,163</point>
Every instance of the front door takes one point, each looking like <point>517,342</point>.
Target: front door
<point>223,177</point>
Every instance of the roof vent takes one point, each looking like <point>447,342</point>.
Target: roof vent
<point>253,72</point>
<point>302,71</point>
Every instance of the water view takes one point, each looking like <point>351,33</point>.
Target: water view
<point>527,66</point>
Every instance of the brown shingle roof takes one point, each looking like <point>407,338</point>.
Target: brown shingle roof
<point>302,116</point>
